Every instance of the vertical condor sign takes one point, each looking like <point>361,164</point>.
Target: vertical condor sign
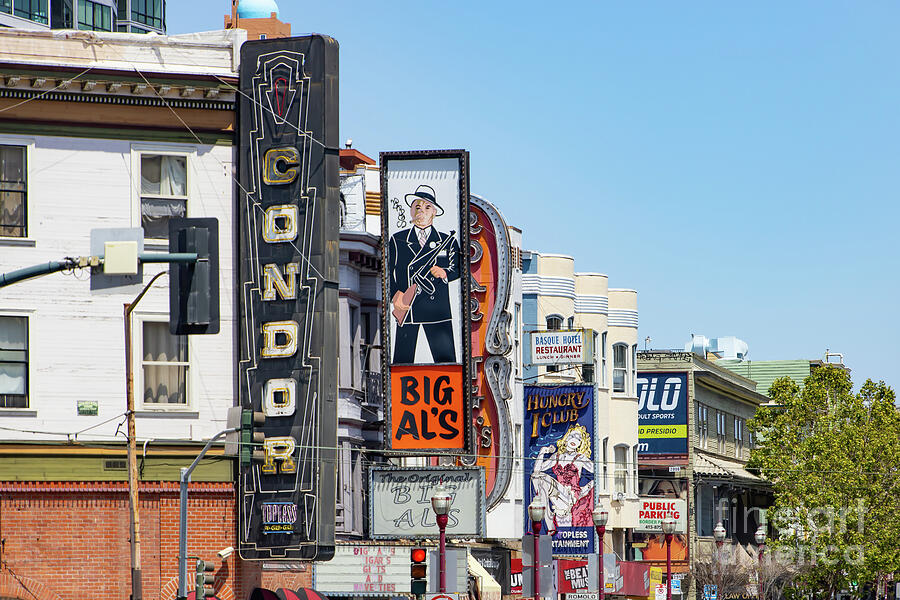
<point>425,228</point>
<point>288,206</point>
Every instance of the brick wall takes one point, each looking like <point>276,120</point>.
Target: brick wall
<point>71,542</point>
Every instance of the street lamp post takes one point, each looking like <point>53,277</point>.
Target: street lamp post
<point>668,527</point>
<point>761,543</point>
<point>440,503</point>
<point>536,511</point>
<point>719,536</point>
<point>600,516</point>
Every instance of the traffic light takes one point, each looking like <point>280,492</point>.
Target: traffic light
<point>203,578</point>
<point>251,437</point>
<point>417,571</point>
<point>194,287</point>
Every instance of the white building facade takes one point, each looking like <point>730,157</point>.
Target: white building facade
<point>555,297</point>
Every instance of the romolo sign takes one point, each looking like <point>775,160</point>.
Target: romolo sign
<point>287,264</point>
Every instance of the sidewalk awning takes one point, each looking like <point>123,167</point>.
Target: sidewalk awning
<point>487,585</point>
<point>723,469</point>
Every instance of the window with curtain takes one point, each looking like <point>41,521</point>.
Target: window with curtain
<point>604,377</point>
<point>13,194</point>
<point>165,365</point>
<point>620,475</point>
<point>702,426</point>
<point>620,367</point>
<point>163,193</point>
<point>633,382</point>
<point>13,362</point>
<point>721,430</point>
<point>93,16</point>
<point>33,10</point>
<point>739,437</point>
<point>634,468</point>
<point>605,463</point>
<point>554,323</point>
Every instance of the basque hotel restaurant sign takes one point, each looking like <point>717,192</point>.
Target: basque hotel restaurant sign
<point>425,228</point>
<point>288,271</point>
<point>559,463</point>
<point>559,348</point>
<point>662,413</point>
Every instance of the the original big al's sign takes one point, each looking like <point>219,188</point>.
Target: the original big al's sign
<point>287,264</point>
<point>424,217</point>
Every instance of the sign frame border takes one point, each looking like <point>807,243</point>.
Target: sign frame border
<point>479,501</point>
<point>465,292</point>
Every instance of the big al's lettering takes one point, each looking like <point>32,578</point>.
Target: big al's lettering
<point>427,406</point>
<point>279,339</point>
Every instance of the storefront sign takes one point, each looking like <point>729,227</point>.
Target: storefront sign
<point>400,501</point>
<point>495,561</point>
<point>287,259</point>
<point>364,571</point>
<point>559,348</point>
<point>652,511</point>
<point>491,372</point>
<point>425,227</point>
<point>559,463</point>
<point>662,413</point>
<point>515,576</point>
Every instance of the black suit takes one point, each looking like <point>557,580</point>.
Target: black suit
<point>431,306</point>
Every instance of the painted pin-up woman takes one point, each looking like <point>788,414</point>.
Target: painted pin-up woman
<point>556,480</point>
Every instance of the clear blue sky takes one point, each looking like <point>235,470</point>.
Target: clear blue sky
<point>736,163</point>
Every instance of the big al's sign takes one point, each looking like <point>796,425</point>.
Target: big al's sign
<point>425,229</point>
<point>288,270</point>
<point>490,268</point>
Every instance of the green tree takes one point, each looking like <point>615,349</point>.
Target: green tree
<point>833,458</point>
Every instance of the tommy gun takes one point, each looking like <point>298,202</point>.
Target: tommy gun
<point>418,279</point>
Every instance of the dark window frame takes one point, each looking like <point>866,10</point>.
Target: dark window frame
<point>19,188</point>
<point>6,358</point>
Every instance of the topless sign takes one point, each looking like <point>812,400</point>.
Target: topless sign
<point>425,228</point>
<point>559,463</point>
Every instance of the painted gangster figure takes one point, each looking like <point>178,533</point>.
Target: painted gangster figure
<point>422,262</point>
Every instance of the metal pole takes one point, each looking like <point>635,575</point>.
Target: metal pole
<point>601,531</point>
<point>762,548</point>
<point>137,592</point>
<point>537,567</point>
<point>442,552</point>
<point>182,517</point>
<point>668,566</point>
<point>182,533</point>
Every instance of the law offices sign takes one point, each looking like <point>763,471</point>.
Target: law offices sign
<point>400,502</point>
<point>287,262</point>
